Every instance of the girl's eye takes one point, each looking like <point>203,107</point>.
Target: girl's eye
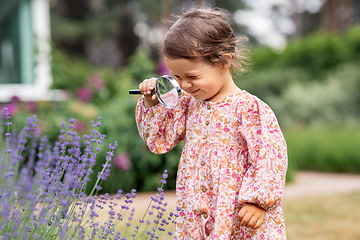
<point>192,77</point>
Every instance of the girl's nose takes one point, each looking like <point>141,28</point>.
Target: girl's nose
<point>185,84</point>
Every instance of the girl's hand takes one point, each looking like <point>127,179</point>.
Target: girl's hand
<point>251,216</point>
<point>146,88</point>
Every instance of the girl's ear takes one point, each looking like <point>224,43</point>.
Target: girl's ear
<point>226,66</point>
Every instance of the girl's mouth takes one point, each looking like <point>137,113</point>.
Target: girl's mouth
<point>194,91</point>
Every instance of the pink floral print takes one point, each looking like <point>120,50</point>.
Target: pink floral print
<point>234,153</point>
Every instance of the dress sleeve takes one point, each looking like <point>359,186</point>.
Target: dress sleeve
<point>162,128</point>
<point>264,180</point>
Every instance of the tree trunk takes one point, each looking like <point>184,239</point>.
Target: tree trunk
<point>336,15</point>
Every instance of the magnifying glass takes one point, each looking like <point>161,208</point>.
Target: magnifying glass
<point>167,91</point>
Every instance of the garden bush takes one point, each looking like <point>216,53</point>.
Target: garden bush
<point>266,83</point>
<point>351,43</point>
<point>314,82</point>
<point>334,101</point>
<point>296,100</point>
<point>324,149</point>
<point>316,53</point>
<point>102,91</point>
<point>145,170</point>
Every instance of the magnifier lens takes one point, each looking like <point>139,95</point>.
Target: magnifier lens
<point>168,91</point>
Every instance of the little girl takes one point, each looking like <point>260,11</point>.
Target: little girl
<point>231,174</point>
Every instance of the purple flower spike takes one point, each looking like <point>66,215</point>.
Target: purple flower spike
<point>49,180</point>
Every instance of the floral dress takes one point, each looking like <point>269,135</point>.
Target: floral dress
<point>234,153</point>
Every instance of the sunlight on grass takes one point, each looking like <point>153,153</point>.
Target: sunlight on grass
<point>323,218</point>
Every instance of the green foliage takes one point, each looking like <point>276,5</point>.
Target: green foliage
<point>119,124</point>
<point>75,22</point>
<point>110,99</point>
<point>70,73</point>
<point>230,5</point>
<point>264,57</point>
<point>271,82</point>
<point>352,42</point>
<point>315,54</point>
<point>324,149</point>
<point>334,101</point>
<point>314,83</point>
<point>117,108</point>
<point>140,66</point>
<point>291,171</point>
<point>67,72</point>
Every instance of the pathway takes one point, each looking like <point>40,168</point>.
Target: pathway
<point>306,184</point>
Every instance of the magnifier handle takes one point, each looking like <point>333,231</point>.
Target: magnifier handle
<point>134,91</point>
<point>137,91</point>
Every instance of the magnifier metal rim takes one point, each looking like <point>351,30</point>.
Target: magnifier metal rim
<point>174,83</point>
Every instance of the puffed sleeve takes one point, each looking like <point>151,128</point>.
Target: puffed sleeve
<point>162,128</point>
<point>264,180</point>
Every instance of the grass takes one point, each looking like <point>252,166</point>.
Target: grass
<point>334,217</point>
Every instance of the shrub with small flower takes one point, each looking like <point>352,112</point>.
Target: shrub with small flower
<point>42,188</point>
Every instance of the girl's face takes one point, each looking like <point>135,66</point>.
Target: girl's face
<point>202,80</point>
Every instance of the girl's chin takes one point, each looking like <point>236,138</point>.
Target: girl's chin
<point>200,98</point>
<point>198,95</point>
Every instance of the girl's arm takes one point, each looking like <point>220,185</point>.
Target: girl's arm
<point>264,180</point>
<point>162,128</point>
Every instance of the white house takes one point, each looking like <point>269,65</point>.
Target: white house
<point>25,69</point>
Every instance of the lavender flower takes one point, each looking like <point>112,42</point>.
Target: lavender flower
<point>42,189</point>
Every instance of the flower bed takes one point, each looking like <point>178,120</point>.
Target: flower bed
<point>42,188</point>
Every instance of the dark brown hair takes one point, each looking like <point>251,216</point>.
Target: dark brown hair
<point>206,34</point>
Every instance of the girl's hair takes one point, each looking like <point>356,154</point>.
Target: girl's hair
<point>206,34</point>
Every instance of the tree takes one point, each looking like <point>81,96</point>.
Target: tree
<point>337,15</point>
<point>103,30</point>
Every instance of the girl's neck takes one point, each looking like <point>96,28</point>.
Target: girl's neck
<point>229,88</point>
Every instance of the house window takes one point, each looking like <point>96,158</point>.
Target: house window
<point>16,48</point>
<point>25,70</point>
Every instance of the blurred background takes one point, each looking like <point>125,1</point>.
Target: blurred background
<point>62,59</point>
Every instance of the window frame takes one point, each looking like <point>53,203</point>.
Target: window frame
<point>35,77</point>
